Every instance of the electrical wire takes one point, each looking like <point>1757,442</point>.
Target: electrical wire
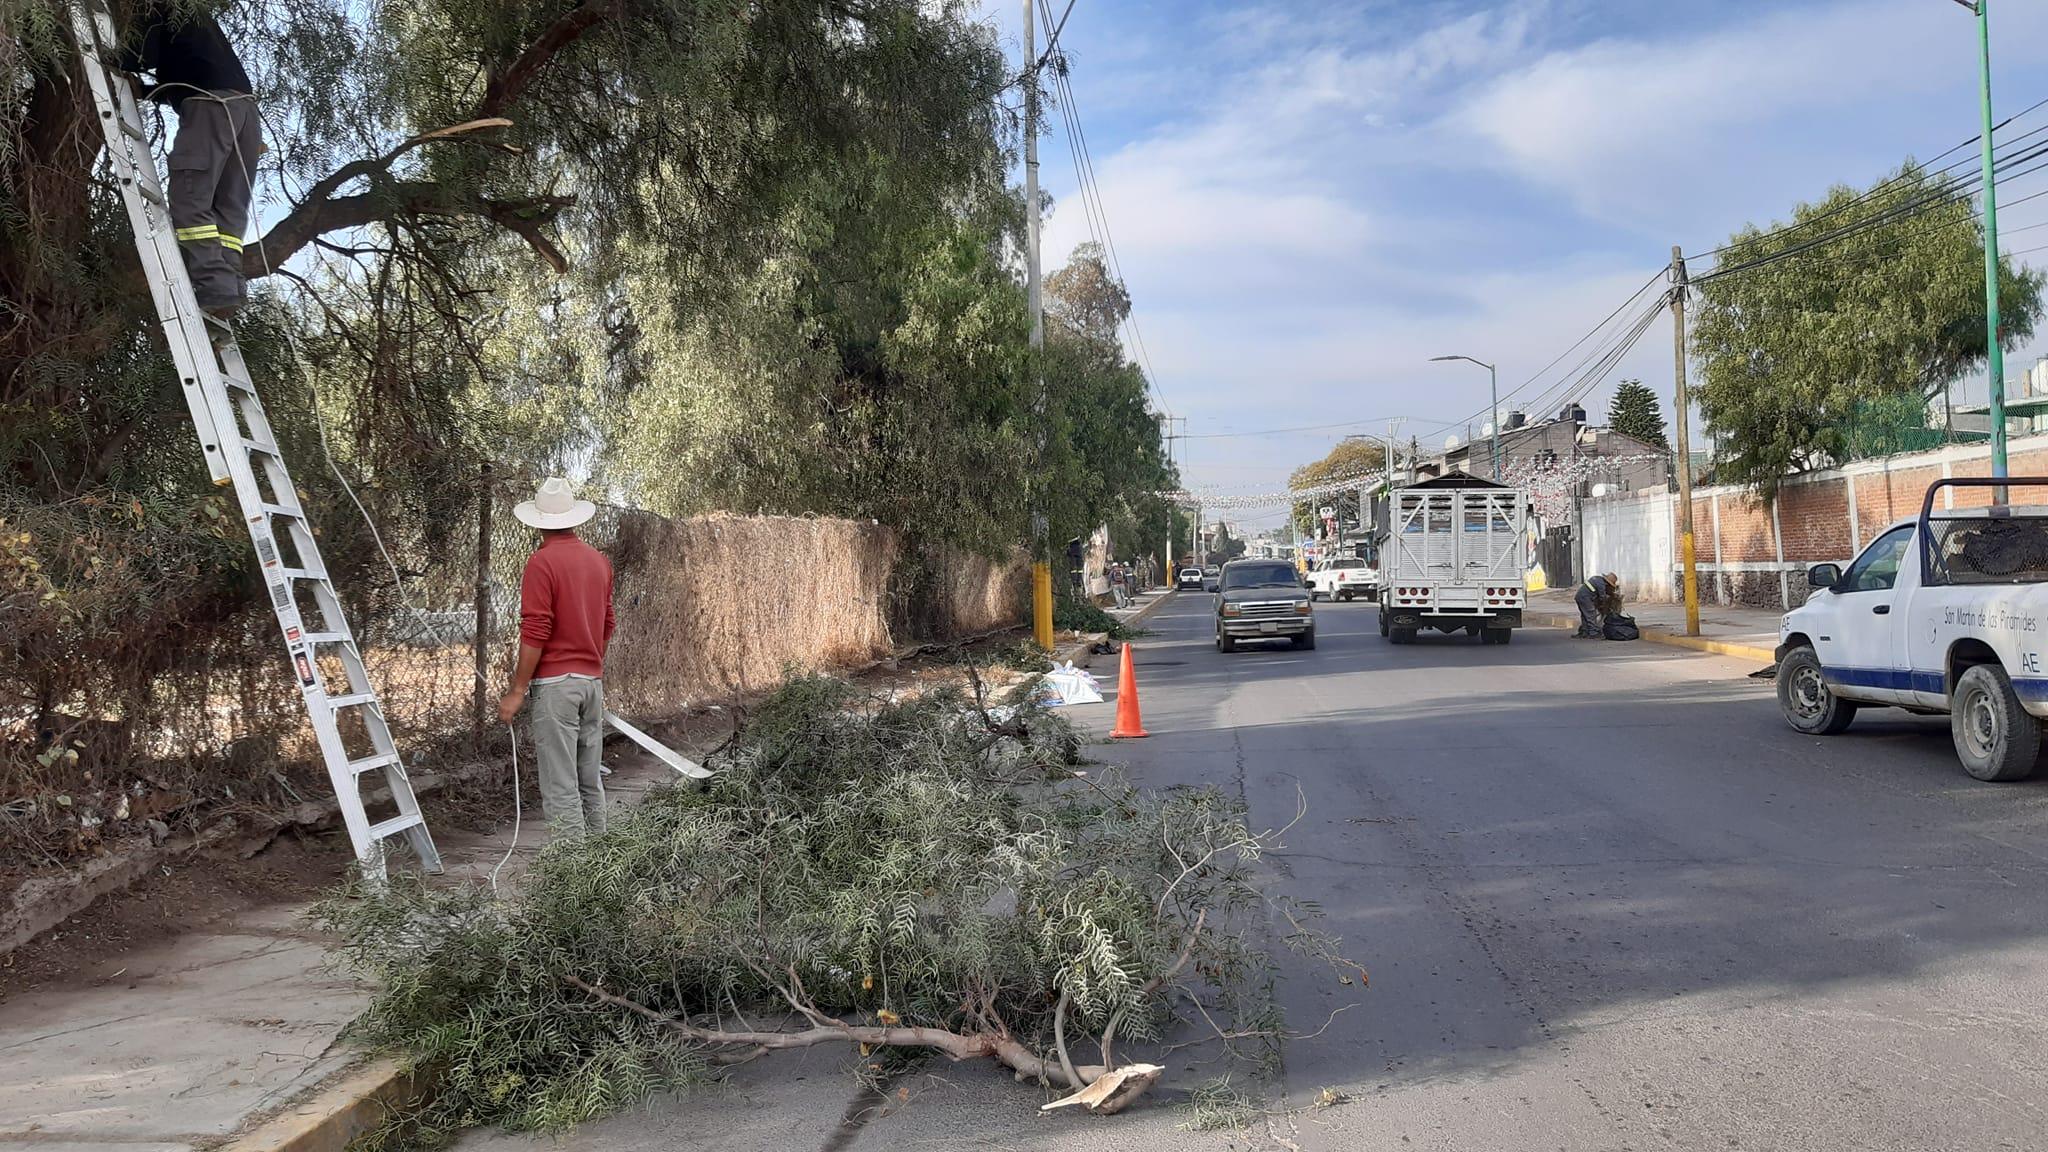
<point>1943,192</point>
<point>1090,188</point>
<point>1882,186</point>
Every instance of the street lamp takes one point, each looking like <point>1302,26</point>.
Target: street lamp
<point>1996,355</point>
<point>1494,390</point>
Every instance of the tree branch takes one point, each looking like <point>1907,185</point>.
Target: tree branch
<point>527,217</point>
<point>953,1045</point>
<point>508,86</point>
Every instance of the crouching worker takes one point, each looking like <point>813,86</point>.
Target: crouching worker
<point>565,624</point>
<point>1598,598</point>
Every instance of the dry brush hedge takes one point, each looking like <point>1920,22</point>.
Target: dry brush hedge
<point>909,878</point>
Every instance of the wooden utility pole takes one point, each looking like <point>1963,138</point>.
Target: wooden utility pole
<point>1681,421</point>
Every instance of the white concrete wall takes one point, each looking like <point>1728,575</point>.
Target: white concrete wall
<point>1631,537</point>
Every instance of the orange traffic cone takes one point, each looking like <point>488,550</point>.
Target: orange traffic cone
<point>1128,725</point>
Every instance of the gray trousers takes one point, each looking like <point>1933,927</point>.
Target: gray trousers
<point>213,164</point>
<point>1592,621</point>
<point>568,736</point>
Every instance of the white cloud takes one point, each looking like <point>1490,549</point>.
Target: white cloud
<point>1627,126</point>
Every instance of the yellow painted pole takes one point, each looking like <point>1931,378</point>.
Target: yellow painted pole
<point>1681,418</point>
<point>1041,604</point>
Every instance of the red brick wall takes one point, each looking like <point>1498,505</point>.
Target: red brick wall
<point>1815,520</point>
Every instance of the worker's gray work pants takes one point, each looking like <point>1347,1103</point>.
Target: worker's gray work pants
<point>1592,622</point>
<point>568,738</point>
<point>213,164</point>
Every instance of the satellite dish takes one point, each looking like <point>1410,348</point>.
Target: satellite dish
<point>1486,429</point>
<point>1599,490</point>
<point>1450,441</point>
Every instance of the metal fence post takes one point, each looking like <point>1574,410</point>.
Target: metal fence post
<point>480,642</point>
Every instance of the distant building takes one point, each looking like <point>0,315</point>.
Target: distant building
<point>1565,443</point>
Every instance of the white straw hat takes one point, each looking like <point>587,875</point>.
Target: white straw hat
<point>554,506</point>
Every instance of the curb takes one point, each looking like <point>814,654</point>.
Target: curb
<point>353,1106</point>
<point>1078,653</point>
<point>1659,636</point>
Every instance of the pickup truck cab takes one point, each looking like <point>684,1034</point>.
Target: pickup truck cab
<point>1343,577</point>
<point>1943,614</point>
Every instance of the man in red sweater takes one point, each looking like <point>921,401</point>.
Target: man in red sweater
<point>565,623</point>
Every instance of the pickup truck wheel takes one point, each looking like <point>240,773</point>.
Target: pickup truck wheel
<point>1306,639</point>
<point>1224,643</point>
<point>1344,596</point>
<point>1804,698</point>
<point>1996,739</point>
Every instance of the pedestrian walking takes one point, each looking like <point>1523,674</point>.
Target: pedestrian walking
<point>1597,597</point>
<point>213,156</point>
<point>565,625</point>
<point>1120,585</point>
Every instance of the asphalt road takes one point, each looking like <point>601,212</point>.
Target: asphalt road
<point>1607,898</point>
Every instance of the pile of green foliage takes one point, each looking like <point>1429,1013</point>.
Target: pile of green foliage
<point>914,877</point>
<point>1073,614</point>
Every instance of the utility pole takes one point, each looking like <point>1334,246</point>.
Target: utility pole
<point>1414,446</point>
<point>1996,355</point>
<point>1041,569</point>
<point>1681,424</point>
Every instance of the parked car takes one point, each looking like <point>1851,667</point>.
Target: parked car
<point>1211,575</point>
<point>1188,579</point>
<point>1342,577</point>
<point>1263,600</point>
<point>1942,614</point>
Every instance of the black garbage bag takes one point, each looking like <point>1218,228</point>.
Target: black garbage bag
<point>1619,627</point>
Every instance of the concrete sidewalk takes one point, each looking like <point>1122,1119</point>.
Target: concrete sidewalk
<point>225,1038</point>
<point>1748,633</point>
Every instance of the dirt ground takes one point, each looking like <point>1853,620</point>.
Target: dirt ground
<point>201,891</point>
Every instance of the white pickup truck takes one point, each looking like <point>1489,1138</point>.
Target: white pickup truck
<point>1342,577</point>
<point>1943,614</point>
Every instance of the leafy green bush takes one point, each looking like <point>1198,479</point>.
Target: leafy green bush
<point>911,877</point>
<point>1072,615</point>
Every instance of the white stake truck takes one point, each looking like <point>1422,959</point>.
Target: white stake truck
<point>1452,557</point>
<point>1943,614</point>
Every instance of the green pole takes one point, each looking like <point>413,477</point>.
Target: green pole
<point>1997,355</point>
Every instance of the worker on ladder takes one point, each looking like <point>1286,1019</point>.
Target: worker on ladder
<point>213,158</point>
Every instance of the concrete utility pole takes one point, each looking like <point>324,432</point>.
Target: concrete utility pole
<point>1681,423</point>
<point>1041,568</point>
<point>1996,355</point>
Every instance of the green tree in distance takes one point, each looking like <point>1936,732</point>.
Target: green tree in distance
<point>1635,412</point>
<point>1352,459</point>
<point>1794,349</point>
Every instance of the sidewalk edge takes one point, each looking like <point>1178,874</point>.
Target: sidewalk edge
<point>1659,636</point>
<point>353,1106</point>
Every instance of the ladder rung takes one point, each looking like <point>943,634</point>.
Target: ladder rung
<point>301,574</point>
<point>352,701</point>
<point>235,381</point>
<point>329,638</point>
<point>263,446</point>
<point>295,513</point>
<point>150,194</point>
<point>372,763</point>
<point>133,130</point>
<point>394,826</point>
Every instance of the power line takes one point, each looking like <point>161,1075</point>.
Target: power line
<point>1091,189</point>
<point>1880,187</point>
<point>1942,192</point>
<point>1283,431</point>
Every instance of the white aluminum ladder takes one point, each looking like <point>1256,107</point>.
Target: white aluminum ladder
<point>241,450</point>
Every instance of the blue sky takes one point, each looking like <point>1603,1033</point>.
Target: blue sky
<point>1311,199</point>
